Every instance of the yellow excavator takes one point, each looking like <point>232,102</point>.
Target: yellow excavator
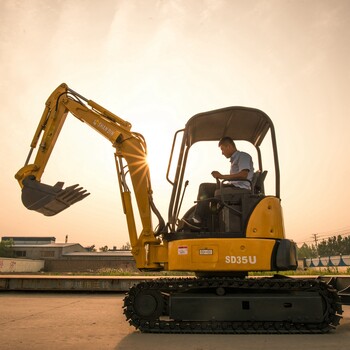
<point>243,230</point>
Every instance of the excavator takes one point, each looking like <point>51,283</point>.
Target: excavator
<point>243,231</point>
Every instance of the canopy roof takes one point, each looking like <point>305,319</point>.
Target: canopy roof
<point>240,123</point>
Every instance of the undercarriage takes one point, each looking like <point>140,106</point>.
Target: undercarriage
<point>233,305</point>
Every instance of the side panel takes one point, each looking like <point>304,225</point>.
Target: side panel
<point>222,254</point>
<point>266,220</point>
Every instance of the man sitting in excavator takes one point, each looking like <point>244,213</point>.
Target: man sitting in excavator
<point>241,170</point>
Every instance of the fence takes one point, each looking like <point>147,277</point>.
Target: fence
<point>20,265</point>
<point>329,261</point>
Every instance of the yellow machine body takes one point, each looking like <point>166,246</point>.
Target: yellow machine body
<point>248,228</point>
<point>251,253</point>
<point>224,254</point>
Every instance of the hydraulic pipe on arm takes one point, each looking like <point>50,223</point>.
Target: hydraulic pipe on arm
<point>133,151</point>
<point>130,146</point>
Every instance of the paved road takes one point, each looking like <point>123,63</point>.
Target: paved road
<point>96,321</point>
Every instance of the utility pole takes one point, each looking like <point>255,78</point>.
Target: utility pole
<point>315,238</point>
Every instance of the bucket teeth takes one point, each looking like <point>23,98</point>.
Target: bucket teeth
<point>50,200</point>
<point>72,194</point>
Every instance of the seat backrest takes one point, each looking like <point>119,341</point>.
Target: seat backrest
<point>255,177</point>
<point>258,186</point>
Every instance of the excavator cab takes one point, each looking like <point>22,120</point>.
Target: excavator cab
<point>241,225</point>
<point>230,206</point>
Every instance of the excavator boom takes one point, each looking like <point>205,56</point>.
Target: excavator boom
<point>130,157</point>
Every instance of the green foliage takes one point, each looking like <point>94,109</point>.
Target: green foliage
<point>126,246</point>
<point>91,248</point>
<point>332,246</point>
<point>135,272</point>
<point>6,250</point>
<point>306,251</point>
<point>307,272</point>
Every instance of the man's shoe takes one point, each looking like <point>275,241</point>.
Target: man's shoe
<point>193,224</point>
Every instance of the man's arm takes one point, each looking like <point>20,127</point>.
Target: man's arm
<point>243,174</point>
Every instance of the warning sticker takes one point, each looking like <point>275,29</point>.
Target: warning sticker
<point>182,250</point>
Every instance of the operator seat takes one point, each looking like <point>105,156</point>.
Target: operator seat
<point>237,203</point>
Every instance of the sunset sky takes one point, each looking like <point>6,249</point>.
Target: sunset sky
<point>157,63</point>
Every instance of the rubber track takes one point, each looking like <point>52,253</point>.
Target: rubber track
<point>332,316</point>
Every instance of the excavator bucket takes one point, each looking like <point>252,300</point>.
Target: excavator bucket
<point>49,200</point>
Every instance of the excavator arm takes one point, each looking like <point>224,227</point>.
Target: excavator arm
<point>130,156</point>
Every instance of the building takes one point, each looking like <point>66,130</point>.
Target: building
<point>46,251</point>
<point>69,257</point>
<point>41,247</point>
<point>30,240</point>
<point>92,261</point>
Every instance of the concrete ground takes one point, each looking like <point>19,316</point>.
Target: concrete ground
<point>96,321</point>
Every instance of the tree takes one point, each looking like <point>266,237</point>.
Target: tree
<point>126,246</point>
<point>104,249</point>
<point>6,250</point>
<point>332,246</point>
<point>306,251</point>
<point>91,248</point>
